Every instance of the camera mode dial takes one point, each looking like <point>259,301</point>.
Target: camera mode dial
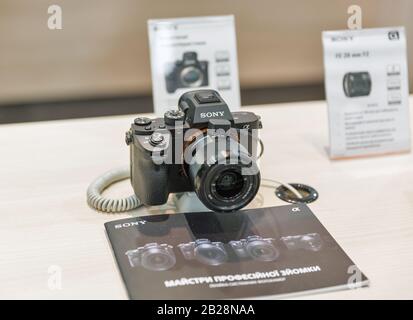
<point>173,116</point>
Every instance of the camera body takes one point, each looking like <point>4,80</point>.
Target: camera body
<point>173,154</point>
<point>152,256</point>
<point>205,251</point>
<point>256,248</point>
<point>186,73</point>
<point>357,84</point>
<point>310,241</point>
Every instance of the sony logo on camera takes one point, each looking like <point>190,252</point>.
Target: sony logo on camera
<point>129,224</point>
<point>212,114</point>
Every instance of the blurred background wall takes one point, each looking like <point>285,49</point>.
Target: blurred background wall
<point>102,50</point>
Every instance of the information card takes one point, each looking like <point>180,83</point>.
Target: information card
<point>190,54</point>
<point>366,82</point>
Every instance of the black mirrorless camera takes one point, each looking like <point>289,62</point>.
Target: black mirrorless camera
<point>200,147</point>
<point>186,73</point>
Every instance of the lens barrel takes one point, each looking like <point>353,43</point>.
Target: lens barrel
<point>227,180</point>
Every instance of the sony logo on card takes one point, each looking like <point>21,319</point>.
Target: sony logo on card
<point>342,38</point>
<point>130,224</point>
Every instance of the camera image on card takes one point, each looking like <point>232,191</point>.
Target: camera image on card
<point>255,248</point>
<point>152,256</point>
<point>310,241</point>
<point>357,84</point>
<point>186,73</point>
<point>204,251</point>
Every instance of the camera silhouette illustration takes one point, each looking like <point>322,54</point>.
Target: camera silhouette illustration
<point>186,73</point>
<point>204,251</point>
<point>255,248</point>
<point>152,256</point>
<point>310,241</point>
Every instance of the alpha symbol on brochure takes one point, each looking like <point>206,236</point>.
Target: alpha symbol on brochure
<point>393,35</point>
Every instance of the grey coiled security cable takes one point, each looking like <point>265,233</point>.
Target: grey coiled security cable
<point>101,203</point>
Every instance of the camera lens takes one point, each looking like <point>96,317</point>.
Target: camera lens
<point>229,184</point>
<point>210,254</point>
<point>157,259</point>
<point>223,187</point>
<point>357,84</point>
<point>262,251</point>
<point>225,181</point>
<point>191,77</point>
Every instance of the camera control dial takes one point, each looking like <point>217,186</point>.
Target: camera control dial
<point>142,121</point>
<point>173,116</point>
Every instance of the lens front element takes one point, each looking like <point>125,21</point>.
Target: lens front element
<point>223,174</point>
<point>229,184</point>
<point>223,187</point>
<point>157,259</point>
<point>262,251</point>
<point>210,254</point>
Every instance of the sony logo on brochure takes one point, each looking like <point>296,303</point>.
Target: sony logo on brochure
<point>342,38</point>
<point>130,224</point>
<point>211,114</point>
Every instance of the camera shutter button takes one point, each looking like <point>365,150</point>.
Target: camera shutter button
<point>156,138</point>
